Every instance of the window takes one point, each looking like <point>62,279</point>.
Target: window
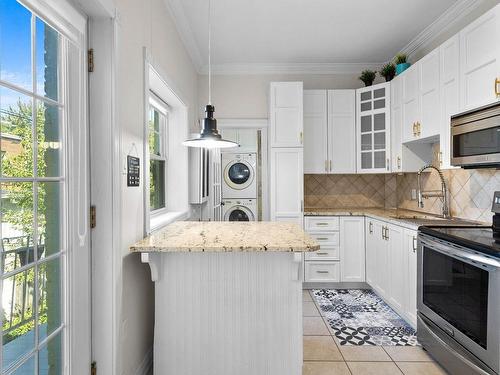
<point>157,140</point>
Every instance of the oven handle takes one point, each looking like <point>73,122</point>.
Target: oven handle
<point>464,256</point>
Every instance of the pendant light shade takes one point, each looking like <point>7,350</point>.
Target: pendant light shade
<point>209,136</point>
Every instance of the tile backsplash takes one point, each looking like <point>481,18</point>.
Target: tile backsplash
<point>470,191</point>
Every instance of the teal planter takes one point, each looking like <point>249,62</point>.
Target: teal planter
<point>400,68</point>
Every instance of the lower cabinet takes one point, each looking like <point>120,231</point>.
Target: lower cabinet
<point>352,249</point>
<point>322,271</point>
<point>410,249</point>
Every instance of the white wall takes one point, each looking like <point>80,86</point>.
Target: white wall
<point>246,96</point>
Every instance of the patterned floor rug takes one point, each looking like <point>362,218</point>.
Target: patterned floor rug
<point>360,317</point>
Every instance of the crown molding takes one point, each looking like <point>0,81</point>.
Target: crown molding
<point>451,17</point>
<point>185,32</point>
<point>289,68</point>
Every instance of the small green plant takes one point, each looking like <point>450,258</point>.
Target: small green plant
<point>388,71</point>
<point>400,58</point>
<point>367,76</point>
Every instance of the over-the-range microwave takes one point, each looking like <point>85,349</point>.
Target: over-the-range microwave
<point>475,137</point>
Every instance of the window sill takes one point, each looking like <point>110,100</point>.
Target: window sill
<point>157,221</point>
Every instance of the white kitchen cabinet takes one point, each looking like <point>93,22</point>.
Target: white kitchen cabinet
<point>286,114</point>
<point>411,102</point>
<point>246,138</point>
<point>329,131</point>
<point>410,247</point>
<point>373,129</point>
<point>352,249</point>
<point>480,61</point>
<point>396,291</point>
<point>342,131</point>
<point>430,115</point>
<point>376,255</point>
<point>450,95</point>
<point>286,184</point>
<point>315,132</point>
<point>322,271</point>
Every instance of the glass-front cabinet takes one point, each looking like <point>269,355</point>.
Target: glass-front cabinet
<point>373,130</point>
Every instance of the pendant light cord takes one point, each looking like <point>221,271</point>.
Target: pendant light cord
<point>209,53</point>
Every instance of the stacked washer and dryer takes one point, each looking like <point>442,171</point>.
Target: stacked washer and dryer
<point>239,187</point>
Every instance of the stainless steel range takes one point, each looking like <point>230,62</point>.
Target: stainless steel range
<point>458,296</point>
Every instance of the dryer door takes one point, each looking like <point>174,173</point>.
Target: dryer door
<point>238,174</point>
<point>239,213</point>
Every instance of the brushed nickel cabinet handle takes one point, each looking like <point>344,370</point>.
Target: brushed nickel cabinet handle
<point>301,138</point>
<point>322,271</point>
<point>322,239</point>
<point>321,224</point>
<point>414,243</point>
<point>399,162</point>
<point>330,165</point>
<point>321,253</point>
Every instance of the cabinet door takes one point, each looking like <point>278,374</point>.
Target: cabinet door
<point>315,132</point>
<point>396,123</point>
<point>411,102</point>
<point>286,114</point>
<point>371,256</point>
<point>429,122</point>
<point>480,61</point>
<point>396,287</point>
<point>230,134</point>
<point>342,131</point>
<point>287,183</point>
<point>450,97</point>
<point>247,138</point>
<point>352,249</point>
<point>373,138</point>
<point>376,256</point>
<point>410,237</point>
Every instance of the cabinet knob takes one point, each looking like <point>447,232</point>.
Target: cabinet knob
<point>497,82</point>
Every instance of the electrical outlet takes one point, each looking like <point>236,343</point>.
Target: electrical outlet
<point>413,194</point>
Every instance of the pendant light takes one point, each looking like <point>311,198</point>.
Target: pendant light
<point>209,136</point>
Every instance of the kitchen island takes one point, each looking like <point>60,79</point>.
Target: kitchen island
<point>228,297</point>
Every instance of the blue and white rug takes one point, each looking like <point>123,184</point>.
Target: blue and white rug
<point>360,317</point>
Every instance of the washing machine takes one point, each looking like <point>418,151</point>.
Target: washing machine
<point>239,172</point>
<point>239,209</point>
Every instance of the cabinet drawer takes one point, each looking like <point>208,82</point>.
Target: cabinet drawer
<point>324,254</point>
<point>322,271</point>
<point>321,223</point>
<point>326,239</point>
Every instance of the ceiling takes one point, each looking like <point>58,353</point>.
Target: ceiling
<point>257,32</point>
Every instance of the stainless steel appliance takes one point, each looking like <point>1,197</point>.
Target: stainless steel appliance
<point>458,297</point>
<point>475,137</point>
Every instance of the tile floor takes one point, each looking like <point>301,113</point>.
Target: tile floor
<point>324,356</point>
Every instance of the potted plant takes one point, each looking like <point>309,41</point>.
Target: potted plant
<point>367,76</point>
<point>401,63</point>
<point>388,71</point>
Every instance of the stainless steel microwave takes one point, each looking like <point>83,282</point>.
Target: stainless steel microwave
<point>475,138</point>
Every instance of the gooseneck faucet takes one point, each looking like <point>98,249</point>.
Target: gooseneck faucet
<point>433,193</point>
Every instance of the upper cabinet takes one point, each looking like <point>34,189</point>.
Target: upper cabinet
<point>480,61</point>
<point>329,131</point>
<point>373,130</point>
<point>286,114</point>
<point>430,115</point>
<point>411,102</point>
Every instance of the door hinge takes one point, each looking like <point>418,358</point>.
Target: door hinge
<point>90,60</point>
<point>93,369</point>
<point>93,220</point>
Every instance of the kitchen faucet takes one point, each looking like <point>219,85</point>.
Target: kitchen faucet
<point>433,193</point>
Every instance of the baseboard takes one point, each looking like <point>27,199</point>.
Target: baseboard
<point>339,285</point>
<point>146,365</point>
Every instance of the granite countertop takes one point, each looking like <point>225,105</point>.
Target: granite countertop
<point>407,218</point>
<point>216,236</point>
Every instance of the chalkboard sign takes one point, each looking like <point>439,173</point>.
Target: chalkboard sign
<point>133,171</point>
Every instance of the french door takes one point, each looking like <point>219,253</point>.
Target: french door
<point>43,189</point>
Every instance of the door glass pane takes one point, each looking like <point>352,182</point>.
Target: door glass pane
<point>366,124</point>
<point>367,95</point>
<point>49,297</point>
<point>377,104</point>
<point>156,184</point>
<point>16,130</point>
<point>379,159</point>
<point>379,93</point>
<point>366,160</point>
<point>379,121</point>
<point>16,207</point>
<point>15,44</point>
<point>49,219</point>
<point>50,357</point>
<point>379,141</point>
<point>366,106</point>
<point>154,132</point>
<point>18,301</point>
<point>366,142</point>
<point>49,141</point>
<point>28,368</point>
<point>47,60</point>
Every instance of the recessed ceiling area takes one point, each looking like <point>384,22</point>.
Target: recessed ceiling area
<point>303,31</point>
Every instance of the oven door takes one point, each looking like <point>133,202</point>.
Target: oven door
<point>476,143</point>
<point>458,290</point>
